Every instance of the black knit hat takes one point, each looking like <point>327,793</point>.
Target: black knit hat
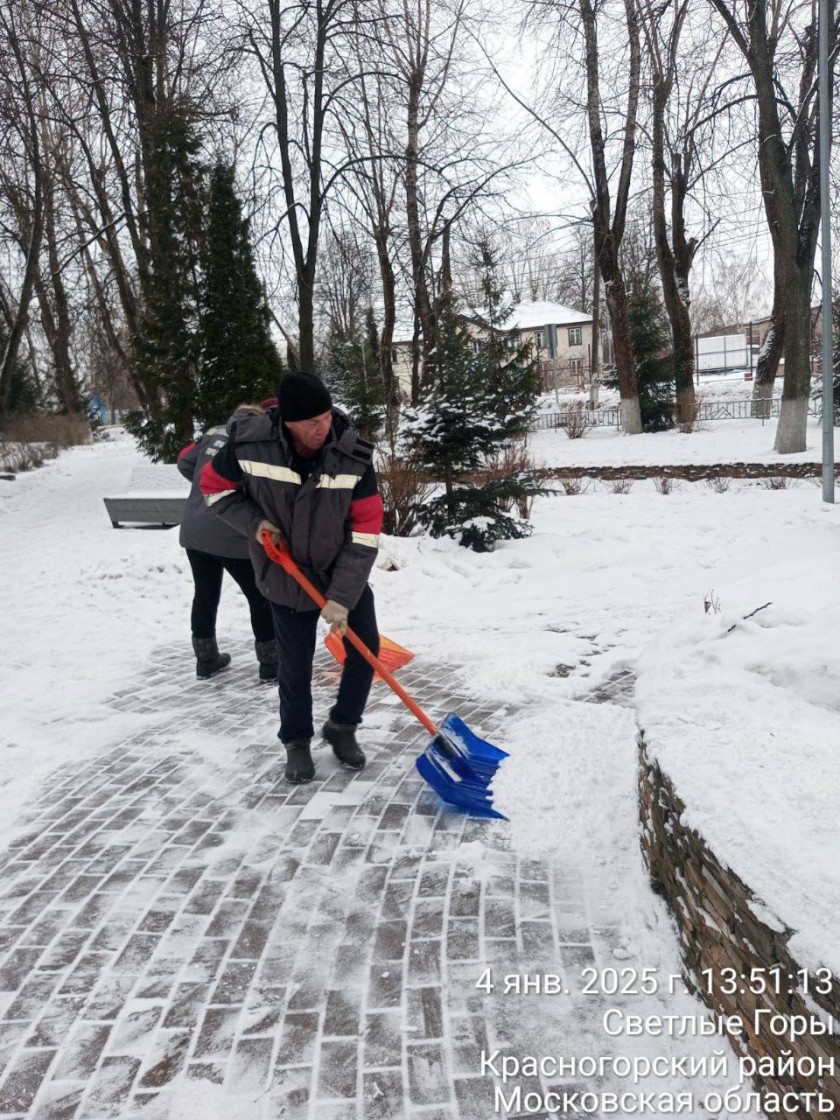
<point>300,396</point>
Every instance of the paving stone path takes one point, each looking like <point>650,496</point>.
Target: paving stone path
<point>175,916</point>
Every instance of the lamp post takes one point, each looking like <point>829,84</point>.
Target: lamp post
<point>825,222</point>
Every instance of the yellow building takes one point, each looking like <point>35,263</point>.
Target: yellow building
<point>561,339</point>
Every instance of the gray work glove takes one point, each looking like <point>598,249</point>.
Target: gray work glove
<point>335,616</point>
<point>270,527</point>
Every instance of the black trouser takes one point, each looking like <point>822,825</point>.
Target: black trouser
<point>296,633</point>
<point>207,573</point>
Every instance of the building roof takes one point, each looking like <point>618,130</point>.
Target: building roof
<point>542,313</point>
<point>523,316</point>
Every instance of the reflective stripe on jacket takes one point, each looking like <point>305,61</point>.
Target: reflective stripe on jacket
<point>330,518</point>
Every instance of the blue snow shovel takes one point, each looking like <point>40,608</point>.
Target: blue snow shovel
<point>457,763</point>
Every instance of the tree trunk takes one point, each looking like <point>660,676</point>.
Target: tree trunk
<point>424,334</point>
<point>793,414</point>
<point>449,489</point>
<point>595,356</point>
<point>625,359</point>
<point>684,250</point>
<point>61,332</point>
<point>789,166</point>
<point>393,394</point>
<point>306,325</point>
<point>608,228</point>
<point>389,318</point>
<point>674,287</point>
<point>305,259</point>
<point>34,168</point>
<point>21,314</point>
<point>771,351</point>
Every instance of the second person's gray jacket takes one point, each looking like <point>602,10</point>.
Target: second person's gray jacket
<point>201,529</point>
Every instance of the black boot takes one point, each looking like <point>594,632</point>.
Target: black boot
<point>267,656</point>
<point>299,765</point>
<point>342,739</point>
<point>208,660</point>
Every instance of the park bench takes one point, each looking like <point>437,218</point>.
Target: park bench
<point>157,495</point>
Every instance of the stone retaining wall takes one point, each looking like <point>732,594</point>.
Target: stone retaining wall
<point>719,926</point>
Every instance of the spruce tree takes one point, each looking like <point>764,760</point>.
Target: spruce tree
<point>166,346</point>
<point>507,366</point>
<point>237,359</point>
<point>650,333</point>
<point>461,422</point>
<point>353,373</point>
<point>25,394</point>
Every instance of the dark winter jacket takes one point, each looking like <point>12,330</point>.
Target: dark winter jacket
<point>327,508</point>
<point>200,528</point>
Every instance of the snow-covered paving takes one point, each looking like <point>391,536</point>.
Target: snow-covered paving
<point>529,632</point>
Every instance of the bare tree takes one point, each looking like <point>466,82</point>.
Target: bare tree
<point>525,247</point>
<point>608,222</point>
<point>345,287</point>
<point>22,176</point>
<point>575,279</point>
<point>778,41</point>
<point>132,85</point>
<point>304,54</point>
<point>374,186</point>
<point>678,117</point>
<point>51,282</point>
<point>449,150</point>
<point>732,293</point>
<point>611,125</point>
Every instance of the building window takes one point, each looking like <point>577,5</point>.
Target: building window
<point>476,345</point>
<point>575,336</point>
<point>539,340</point>
<point>576,366</point>
<point>395,356</point>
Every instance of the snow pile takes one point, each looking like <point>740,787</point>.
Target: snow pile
<point>742,711</point>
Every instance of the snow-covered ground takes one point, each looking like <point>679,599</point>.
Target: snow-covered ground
<point>742,710</point>
<point>747,722</point>
<point>722,441</point>
<point>746,440</point>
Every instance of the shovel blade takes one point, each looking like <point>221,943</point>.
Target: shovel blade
<point>459,766</point>
<point>392,655</point>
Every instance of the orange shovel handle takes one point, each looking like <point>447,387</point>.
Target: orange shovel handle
<point>283,557</point>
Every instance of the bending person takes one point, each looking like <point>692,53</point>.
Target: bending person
<point>214,548</point>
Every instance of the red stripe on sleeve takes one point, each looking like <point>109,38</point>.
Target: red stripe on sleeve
<point>184,450</point>
<point>366,515</point>
<point>213,483</point>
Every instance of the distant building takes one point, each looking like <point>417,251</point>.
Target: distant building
<point>756,329</point>
<point>753,334</point>
<point>560,336</point>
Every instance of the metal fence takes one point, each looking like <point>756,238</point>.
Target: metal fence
<point>595,418</point>
<point>744,409</point>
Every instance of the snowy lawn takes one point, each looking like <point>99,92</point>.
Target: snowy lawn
<point>746,723</point>
<point>720,441</point>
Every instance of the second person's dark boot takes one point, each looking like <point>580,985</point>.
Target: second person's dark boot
<point>299,765</point>
<point>208,660</point>
<point>267,656</point>
<point>342,739</point>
